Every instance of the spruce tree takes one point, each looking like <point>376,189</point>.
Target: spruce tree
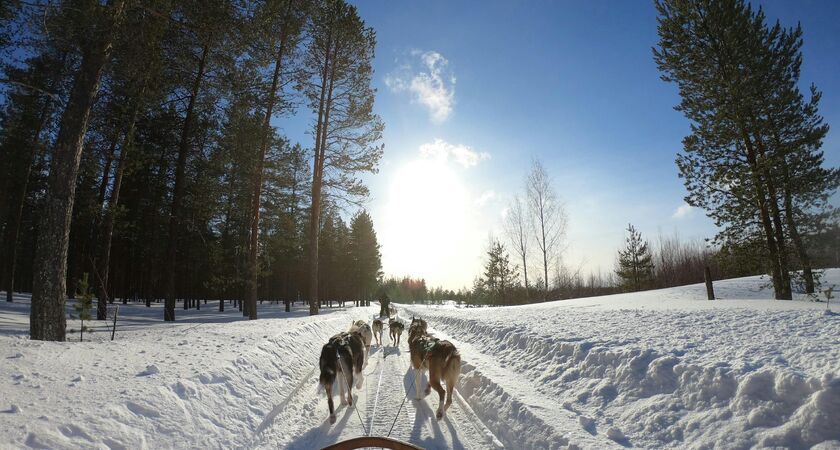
<point>366,262</point>
<point>635,263</point>
<point>499,274</point>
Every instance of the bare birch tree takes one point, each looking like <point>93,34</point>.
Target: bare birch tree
<point>547,217</point>
<point>516,229</point>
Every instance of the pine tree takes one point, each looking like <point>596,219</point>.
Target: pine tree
<point>635,263</point>
<point>281,23</point>
<point>499,275</point>
<point>337,84</point>
<point>209,23</point>
<point>47,317</point>
<point>755,141</point>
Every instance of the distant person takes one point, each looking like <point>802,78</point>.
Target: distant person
<point>384,301</point>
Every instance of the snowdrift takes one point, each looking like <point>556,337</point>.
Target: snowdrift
<point>654,369</point>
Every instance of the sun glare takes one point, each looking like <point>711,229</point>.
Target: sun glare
<point>425,219</point>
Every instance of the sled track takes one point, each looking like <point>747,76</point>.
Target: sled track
<point>300,419</point>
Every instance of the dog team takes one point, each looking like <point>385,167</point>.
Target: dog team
<point>344,357</point>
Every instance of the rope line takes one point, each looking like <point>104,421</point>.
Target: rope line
<point>404,399</point>
<point>378,386</point>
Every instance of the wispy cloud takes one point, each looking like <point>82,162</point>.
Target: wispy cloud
<point>427,77</point>
<point>485,197</point>
<point>462,154</point>
<point>683,211</point>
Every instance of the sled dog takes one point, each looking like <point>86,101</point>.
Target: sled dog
<point>364,329</point>
<point>396,328</point>
<point>342,359</point>
<point>439,357</point>
<point>377,331</point>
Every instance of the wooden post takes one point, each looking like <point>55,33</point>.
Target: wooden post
<point>710,290</point>
<point>114,328</point>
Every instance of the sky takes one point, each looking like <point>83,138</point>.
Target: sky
<point>472,93</point>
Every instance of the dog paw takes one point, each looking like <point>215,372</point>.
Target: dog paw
<point>343,401</point>
<point>350,402</point>
<point>332,419</point>
<point>439,415</point>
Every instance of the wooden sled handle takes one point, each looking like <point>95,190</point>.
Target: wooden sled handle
<point>372,441</point>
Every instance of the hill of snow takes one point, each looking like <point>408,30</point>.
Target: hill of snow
<point>655,369</point>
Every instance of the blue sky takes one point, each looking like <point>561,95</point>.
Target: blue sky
<point>471,92</point>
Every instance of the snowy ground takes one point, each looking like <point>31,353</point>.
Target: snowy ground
<point>655,369</point>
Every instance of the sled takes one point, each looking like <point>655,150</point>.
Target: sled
<point>372,441</point>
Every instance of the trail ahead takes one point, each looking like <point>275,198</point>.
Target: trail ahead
<point>299,421</point>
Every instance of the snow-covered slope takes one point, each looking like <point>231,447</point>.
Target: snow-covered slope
<point>654,369</point>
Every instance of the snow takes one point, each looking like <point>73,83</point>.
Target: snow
<point>657,369</point>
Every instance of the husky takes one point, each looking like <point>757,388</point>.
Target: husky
<point>396,328</point>
<point>439,357</point>
<point>342,359</point>
<point>364,329</point>
<point>418,326</point>
<point>377,331</point>
<point>392,311</point>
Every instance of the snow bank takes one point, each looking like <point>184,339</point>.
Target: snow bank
<point>188,385</point>
<point>653,369</point>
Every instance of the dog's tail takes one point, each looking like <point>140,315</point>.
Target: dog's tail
<point>328,363</point>
<point>452,368</point>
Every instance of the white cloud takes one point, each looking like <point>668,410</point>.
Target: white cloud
<point>462,154</point>
<point>683,211</point>
<point>432,85</point>
<point>485,197</point>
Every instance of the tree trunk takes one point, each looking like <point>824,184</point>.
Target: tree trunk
<point>315,215</point>
<point>769,235</point>
<point>47,316</point>
<point>253,262</point>
<point>710,290</point>
<point>178,192</point>
<point>778,228</point>
<point>799,245</point>
<point>113,203</point>
<point>13,229</point>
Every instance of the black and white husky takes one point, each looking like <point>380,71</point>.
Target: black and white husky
<point>342,359</point>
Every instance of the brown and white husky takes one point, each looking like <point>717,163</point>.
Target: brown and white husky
<point>377,331</point>
<point>342,359</point>
<point>440,357</point>
<point>396,327</point>
<point>364,329</point>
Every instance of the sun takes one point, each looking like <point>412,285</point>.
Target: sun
<point>425,219</point>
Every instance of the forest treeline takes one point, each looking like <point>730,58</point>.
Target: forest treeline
<point>141,142</point>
